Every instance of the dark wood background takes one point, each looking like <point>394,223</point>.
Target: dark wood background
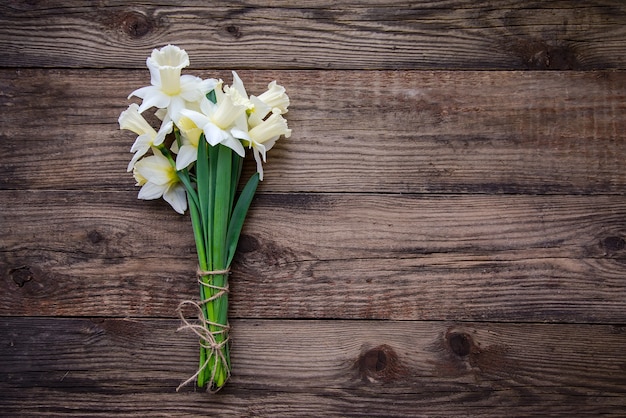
<point>444,234</point>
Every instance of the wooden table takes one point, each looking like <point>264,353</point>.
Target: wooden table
<point>444,234</point>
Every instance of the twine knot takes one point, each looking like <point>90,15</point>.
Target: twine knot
<point>207,331</point>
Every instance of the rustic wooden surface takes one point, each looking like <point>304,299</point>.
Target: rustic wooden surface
<point>444,234</point>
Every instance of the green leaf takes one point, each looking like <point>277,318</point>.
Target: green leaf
<point>213,155</point>
<point>221,219</point>
<point>211,96</point>
<point>239,215</point>
<point>221,209</point>
<point>236,175</point>
<point>204,191</point>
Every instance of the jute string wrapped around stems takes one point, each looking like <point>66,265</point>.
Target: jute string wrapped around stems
<point>208,338</point>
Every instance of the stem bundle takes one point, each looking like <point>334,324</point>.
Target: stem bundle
<point>217,219</point>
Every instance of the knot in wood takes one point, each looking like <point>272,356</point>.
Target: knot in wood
<point>547,57</point>
<point>379,363</point>
<point>95,237</point>
<point>375,360</point>
<point>135,24</point>
<point>248,244</point>
<point>21,275</point>
<point>460,343</point>
<point>613,244</point>
<point>234,31</point>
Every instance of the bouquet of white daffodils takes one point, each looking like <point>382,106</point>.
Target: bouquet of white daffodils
<point>194,160</point>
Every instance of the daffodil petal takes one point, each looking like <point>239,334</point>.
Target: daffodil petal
<point>165,129</point>
<point>269,144</point>
<point>151,191</point>
<point>261,110</point>
<point>207,107</point>
<point>198,118</point>
<point>235,145</point>
<point>187,154</point>
<point>140,148</point>
<point>214,135</point>
<point>156,169</point>
<point>141,92</point>
<point>192,89</point>
<point>161,114</point>
<point>275,97</point>
<point>208,85</point>
<point>133,160</point>
<point>175,196</point>
<point>132,120</point>
<point>226,112</point>
<point>274,125</point>
<point>155,75</point>
<point>259,164</point>
<point>240,134</point>
<point>154,98</point>
<point>238,85</point>
<point>154,174</point>
<point>177,104</point>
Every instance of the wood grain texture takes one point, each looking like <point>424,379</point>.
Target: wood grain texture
<point>355,131</point>
<point>306,368</point>
<point>444,234</point>
<point>474,257</point>
<point>504,34</point>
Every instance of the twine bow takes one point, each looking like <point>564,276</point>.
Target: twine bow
<point>203,328</point>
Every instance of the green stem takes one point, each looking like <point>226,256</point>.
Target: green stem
<point>196,223</point>
<point>221,214</point>
<point>236,175</point>
<point>221,219</point>
<point>199,203</point>
<point>210,206</point>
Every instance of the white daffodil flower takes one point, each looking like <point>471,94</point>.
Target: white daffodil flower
<point>170,90</point>
<point>264,136</point>
<point>158,178</point>
<point>132,120</point>
<point>274,98</point>
<point>221,122</point>
<point>256,110</point>
<point>258,107</point>
<point>190,136</point>
<point>238,93</point>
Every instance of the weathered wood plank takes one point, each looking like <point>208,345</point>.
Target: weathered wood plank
<point>355,131</point>
<point>497,34</point>
<point>457,257</point>
<point>90,367</point>
<point>515,213</point>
